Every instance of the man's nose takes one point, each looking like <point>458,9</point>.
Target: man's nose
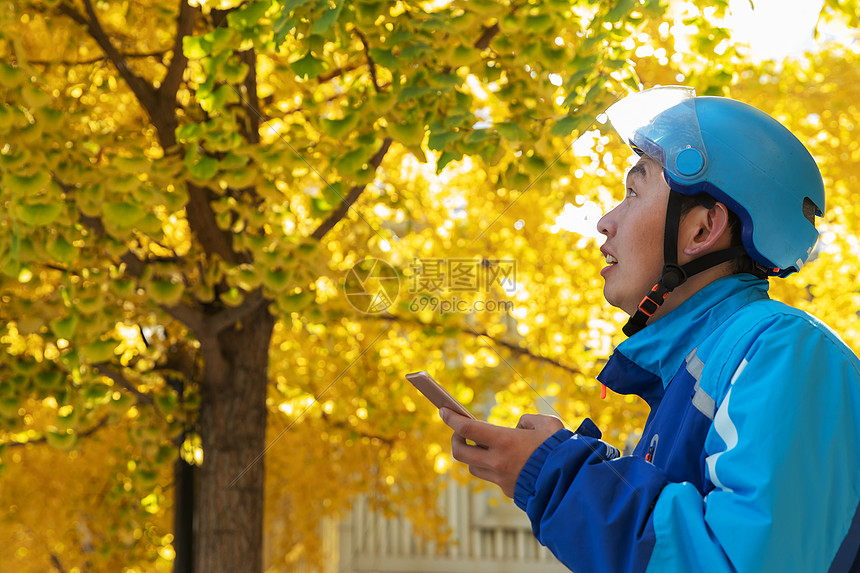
<point>607,224</point>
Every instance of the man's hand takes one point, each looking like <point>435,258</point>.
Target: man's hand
<point>500,453</point>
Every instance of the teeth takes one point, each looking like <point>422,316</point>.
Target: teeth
<point>610,260</point>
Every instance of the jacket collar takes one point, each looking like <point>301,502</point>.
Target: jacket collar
<point>646,362</point>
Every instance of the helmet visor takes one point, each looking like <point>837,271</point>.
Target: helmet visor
<point>661,122</point>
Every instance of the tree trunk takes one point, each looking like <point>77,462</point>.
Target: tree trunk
<point>229,514</point>
<point>183,515</point>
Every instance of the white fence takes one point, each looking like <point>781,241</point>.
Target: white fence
<point>489,535</point>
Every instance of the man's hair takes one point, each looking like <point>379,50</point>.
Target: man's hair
<point>743,264</point>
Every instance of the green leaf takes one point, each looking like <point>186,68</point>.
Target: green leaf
<point>446,80</point>
<point>26,185</point>
<point>246,277</point>
<point>234,160</point>
<point>282,28</point>
<point>39,214</point>
<point>621,9</point>
<point>204,168</point>
<point>414,51</point>
<point>333,192</point>
<point>11,76</point>
<point>537,24</point>
<point>61,440</point>
<point>99,350</point>
<point>249,15</point>
<point>132,165</point>
<point>511,131</point>
<point>232,297</point>
<point>166,292</point>
<point>123,288</point>
<point>7,118</point>
<point>277,280</point>
<point>415,92</point>
<point>240,178</point>
<point>61,250</point>
<point>219,99</point>
<point>308,67</point>
<point>384,58</point>
<point>568,125</point>
<point>221,39</point>
<point>340,128</point>
<point>166,402</point>
<point>166,453</point>
<point>65,327</point>
<point>439,140</point>
<point>34,97</point>
<point>123,215</point>
<point>328,19</point>
<point>150,224</point>
<point>196,47</point>
<point>465,55</point>
<point>50,379</point>
<point>479,135</point>
<point>320,206</point>
<point>234,72</point>
<point>352,162</point>
<point>296,302</point>
<point>49,118</point>
<point>189,132</point>
<point>124,184</point>
<point>406,133</point>
<point>446,158</point>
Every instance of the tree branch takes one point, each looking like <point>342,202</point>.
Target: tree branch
<point>489,33</point>
<point>106,370</point>
<point>525,352</point>
<point>201,219</point>
<point>55,561</point>
<point>228,317</point>
<point>370,63</point>
<point>173,78</point>
<point>251,102</point>
<point>133,265</point>
<point>328,76</point>
<point>86,433</point>
<point>144,92</point>
<point>340,211</point>
<point>89,61</point>
<point>190,317</point>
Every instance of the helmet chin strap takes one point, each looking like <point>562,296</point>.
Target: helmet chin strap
<point>673,274</point>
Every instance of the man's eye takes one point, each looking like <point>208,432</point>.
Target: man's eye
<point>631,193</point>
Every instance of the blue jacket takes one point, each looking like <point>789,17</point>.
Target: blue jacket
<point>749,459</point>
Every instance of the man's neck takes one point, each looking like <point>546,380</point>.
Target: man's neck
<point>690,287</point>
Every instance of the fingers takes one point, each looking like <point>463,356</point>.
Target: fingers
<point>499,453</point>
<point>540,422</point>
<point>475,430</point>
<point>464,452</point>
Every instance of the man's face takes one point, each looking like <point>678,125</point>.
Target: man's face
<point>634,237</point>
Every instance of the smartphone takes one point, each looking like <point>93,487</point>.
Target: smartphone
<point>436,394</point>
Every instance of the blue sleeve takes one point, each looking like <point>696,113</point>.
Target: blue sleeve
<point>590,507</point>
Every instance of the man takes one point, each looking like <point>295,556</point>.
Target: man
<point>750,457</point>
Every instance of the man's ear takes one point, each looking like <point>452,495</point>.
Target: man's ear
<point>704,230</point>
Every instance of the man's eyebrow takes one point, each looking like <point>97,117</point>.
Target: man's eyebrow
<point>638,170</point>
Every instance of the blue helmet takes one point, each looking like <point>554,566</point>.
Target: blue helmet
<point>738,155</point>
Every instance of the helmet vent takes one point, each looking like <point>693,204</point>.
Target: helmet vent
<point>810,210</point>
